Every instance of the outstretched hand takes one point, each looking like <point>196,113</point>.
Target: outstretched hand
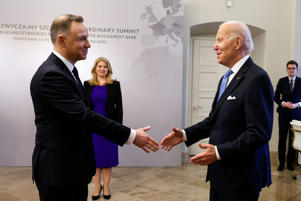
<point>207,157</point>
<point>144,141</point>
<point>172,139</point>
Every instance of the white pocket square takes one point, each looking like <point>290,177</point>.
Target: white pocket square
<point>231,98</point>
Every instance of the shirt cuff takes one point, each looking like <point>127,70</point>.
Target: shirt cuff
<point>131,137</point>
<point>217,154</point>
<point>299,103</point>
<point>282,103</point>
<point>184,136</point>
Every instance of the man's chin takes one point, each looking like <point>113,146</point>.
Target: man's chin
<point>83,57</point>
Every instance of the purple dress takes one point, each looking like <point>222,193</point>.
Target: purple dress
<point>106,152</point>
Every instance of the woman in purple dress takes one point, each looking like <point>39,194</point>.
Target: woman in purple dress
<point>105,98</point>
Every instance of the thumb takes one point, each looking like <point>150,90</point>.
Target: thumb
<point>203,146</point>
<point>176,130</point>
<point>146,128</point>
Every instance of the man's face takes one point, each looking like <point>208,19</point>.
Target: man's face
<point>292,70</point>
<point>76,42</point>
<point>224,46</point>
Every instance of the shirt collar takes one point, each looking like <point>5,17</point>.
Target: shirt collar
<point>292,78</point>
<point>239,64</point>
<point>69,65</point>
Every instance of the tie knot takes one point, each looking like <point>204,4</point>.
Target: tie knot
<point>229,72</point>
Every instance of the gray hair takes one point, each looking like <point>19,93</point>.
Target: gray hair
<point>240,29</point>
<point>61,25</point>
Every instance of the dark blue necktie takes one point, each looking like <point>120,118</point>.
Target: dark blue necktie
<point>80,85</point>
<point>224,83</point>
<point>75,73</point>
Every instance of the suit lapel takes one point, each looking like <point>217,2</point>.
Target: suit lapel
<point>296,84</point>
<point>69,75</point>
<point>232,85</point>
<point>287,85</point>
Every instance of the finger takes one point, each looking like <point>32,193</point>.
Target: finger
<point>146,128</point>
<point>203,146</point>
<point>200,161</point>
<point>194,158</point>
<point>153,141</point>
<point>166,138</point>
<point>176,130</point>
<point>198,157</point>
<point>196,162</point>
<point>145,149</point>
<point>164,147</point>
<point>167,147</point>
<point>163,141</point>
<point>152,146</point>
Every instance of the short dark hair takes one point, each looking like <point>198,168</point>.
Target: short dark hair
<point>61,24</point>
<point>292,62</point>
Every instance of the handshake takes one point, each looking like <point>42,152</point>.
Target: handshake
<point>145,142</point>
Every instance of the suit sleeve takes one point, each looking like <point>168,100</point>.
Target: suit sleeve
<point>198,131</point>
<point>62,95</point>
<point>201,130</point>
<point>258,107</point>
<point>119,109</point>
<point>277,97</point>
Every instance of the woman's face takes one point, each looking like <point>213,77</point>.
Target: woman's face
<point>102,69</point>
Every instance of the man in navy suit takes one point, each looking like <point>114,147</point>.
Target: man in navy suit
<point>63,157</point>
<point>288,96</point>
<point>239,124</point>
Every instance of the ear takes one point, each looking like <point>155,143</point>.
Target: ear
<point>61,40</point>
<point>238,43</point>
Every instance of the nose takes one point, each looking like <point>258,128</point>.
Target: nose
<point>215,46</point>
<point>87,44</point>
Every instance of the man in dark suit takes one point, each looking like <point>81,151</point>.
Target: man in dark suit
<point>288,96</point>
<point>63,157</point>
<point>239,124</point>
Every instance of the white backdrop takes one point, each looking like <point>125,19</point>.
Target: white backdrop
<point>142,39</point>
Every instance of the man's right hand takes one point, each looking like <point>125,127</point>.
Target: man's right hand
<point>172,139</point>
<point>144,141</point>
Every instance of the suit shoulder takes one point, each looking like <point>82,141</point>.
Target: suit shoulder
<point>46,67</point>
<point>116,83</point>
<point>283,79</point>
<point>49,66</point>
<point>257,71</point>
<point>86,83</point>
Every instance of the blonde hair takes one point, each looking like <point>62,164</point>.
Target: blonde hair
<point>94,80</point>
